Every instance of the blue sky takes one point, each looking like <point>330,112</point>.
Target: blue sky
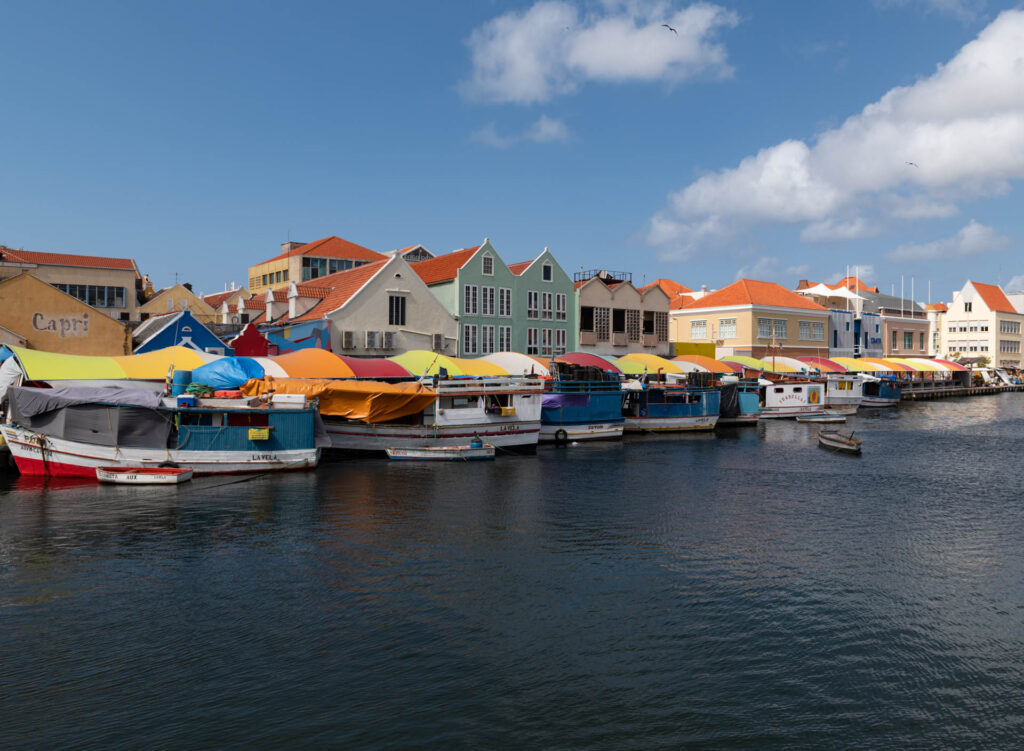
<point>768,140</point>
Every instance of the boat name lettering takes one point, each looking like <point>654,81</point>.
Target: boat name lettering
<point>264,457</point>
<point>64,326</point>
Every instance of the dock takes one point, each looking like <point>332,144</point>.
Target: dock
<point>921,394</point>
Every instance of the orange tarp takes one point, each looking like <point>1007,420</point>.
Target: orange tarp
<point>367,401</point>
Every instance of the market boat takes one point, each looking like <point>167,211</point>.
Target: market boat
<point>792,398</point>
<point>883,392</point>
<point>662,407</point>
<point>822,418</point>
<point>470,452</point>
<point>144,475</point>
<point>582,403</point>
<point>836,441</point>
<point>71,431</point>
<point>738,402</point>
<point>843,390</point>
<point>373,416</point>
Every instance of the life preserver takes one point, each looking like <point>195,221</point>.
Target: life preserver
<point>561,436</point>
<point>813,396</point>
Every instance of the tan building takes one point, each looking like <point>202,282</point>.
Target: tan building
<point>37,315</point>
<point>616,318</point>
<point>748,317</point>
<point>106,284</point>
<point>982,322</point>
<point>303,262</point>
<point>175,299</point>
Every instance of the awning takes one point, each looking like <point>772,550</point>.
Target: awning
<point>630,367</point>
<point>313,363</point>
<point>824,364</point>
<point>374,367</point>
<point>857,365</point>
<point>588,361</point>
<point>519,364</point>
<point>708,364</point>
<point>653,363</point>
<point>152,366</point>
<point>752,363</point>
<point>919,366</point>
<point>366,401</point>
<point>887,366</point>
<point>420,362</point>
<point>954,366</point>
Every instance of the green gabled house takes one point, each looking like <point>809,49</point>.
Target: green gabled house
<point>528,307</point>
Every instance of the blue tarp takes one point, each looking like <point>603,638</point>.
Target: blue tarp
<point>5,352</point>
<point>554,401</point>
<point>227,373</point>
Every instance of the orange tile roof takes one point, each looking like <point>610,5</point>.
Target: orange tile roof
<point>994,297</point>
<point>216,300</point>
<point>752,292</point>
<point>342,286</point>
<point>668,286</point>
<point>852,283</point>
<point>66,259</point>
<point>937,306</point>
<point>519,268</point>
<point>331,247</point>
<point>443,268</point>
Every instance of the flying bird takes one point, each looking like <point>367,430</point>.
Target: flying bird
<point>912,164</point>
<point>670,29</point>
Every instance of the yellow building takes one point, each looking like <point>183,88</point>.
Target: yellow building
<point>177,298</point>
<point>981,321</point>
<point>748,317</point>
<point>42,317</point>
<point>300,262</point>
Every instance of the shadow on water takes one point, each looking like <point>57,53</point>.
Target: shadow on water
<point>741,588</point>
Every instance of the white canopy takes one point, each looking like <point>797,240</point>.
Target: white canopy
<point>822,291</point>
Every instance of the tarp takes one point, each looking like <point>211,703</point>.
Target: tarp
<point>709,364</point>
<point>955,366</point>
<point>313,363</point>
<point>919,366</point>
<point>10,375</point>
<point>554,401</point>
<point>886,366</point>
<point>367,401</point>
<point>630,367</point>
<point>152,366</point>
<point>824,364</point>
<point>374,367</point>
<point>729,400</point>
<point>33,401</point>
<point>653,363</point>
<point>856,365</point>
<point>228,373</point>
<point>421,362</point>
<point>519,364</point>
<point>752,363</point>
<point>794,362</point>
<point>588,360</point>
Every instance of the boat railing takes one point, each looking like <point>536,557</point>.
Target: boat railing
<point>585,387</point>
<point>468,386</point>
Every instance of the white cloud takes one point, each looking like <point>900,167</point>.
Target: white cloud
<point>830,230</point>
<point>963,10</point>
<point>545,130</point>
<point>551,48</point>
<point>963,127</point>
<point>769,268</point>
<point>1016,284</point>
<point>972,239</point>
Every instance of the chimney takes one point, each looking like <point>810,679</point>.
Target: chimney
<point>188,286</point>
<point>290,245</point>
<point>293,295</point>
<point>804,284</point>
<point>704,289</point>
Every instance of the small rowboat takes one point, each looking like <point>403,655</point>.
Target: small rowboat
<point>836,441</point>
<point>143,475</point>
<point>844,410</point>
<point>442,453</point>
<point>822,418</point>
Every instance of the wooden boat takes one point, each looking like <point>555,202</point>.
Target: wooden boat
<point>470,452</point>
<point>841,410</point>
<point>836,441</point>
<point>144,475</point>
<point>822,418</point>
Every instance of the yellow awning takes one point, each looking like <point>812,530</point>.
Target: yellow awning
<point>46,366</point>
<point>653,363</point>
<point>919,366</point>
<point>855,365</point>
<point>420,362</point>
<point>763,364</point>
<point>153,366</point>
<point>367,401</point>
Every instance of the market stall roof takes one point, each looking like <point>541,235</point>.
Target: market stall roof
<point>421,362</point>
<point>53,366</point>
<point>856,365</point>
<point>794,362</point>
<point>519,364</point>
<point>885,366</point>
<point>919,366</point>
<point>752,363</point>
<point>154,365</point>
<point>313,363</point>
<point>270,367</point>
<point>824,364</point>
<point>367,401</point>
<point>708,364</point>
<point>653,363</point>
<point>374,367</point>
<point>587,360</point>
<point>954,366</point>
<point>630,367</point>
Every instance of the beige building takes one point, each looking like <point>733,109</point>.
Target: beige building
<point>616,318</point>
<point>177,298</point>
<point>304,262</point>
<point>748,317</point>
<point>37,315</point>
<point>982,322</point>
<point>109,285</point>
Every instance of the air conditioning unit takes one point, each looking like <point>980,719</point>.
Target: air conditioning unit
<point>373,340</point>
<point>389,340</point>
<point>348,340</point>
<point>438,343</point>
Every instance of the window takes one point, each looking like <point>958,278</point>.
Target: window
<point>805,329</point>
<point>487,265</point>
<point>170,303</point>
<point>545,342</point>
<point>586,318</point>
<point>818,331</point>
<point>487,301</point>
<point>967,307</point>
<point>533,304</point>
<point>469,346</point>
<point>546,309</point>
<point>920,340</point>
<point>504,302</point>
<point>649,322</point>
<point>486,340</point>
<point>560,306</point>
<point>847,325</point>
<point>602,318</point>
<point>726,328</point>
<point>97,296</point>
<point>504,338</point>
<point>469,306</point>
<point>699,329</point>
<point>780,328</point>
<point>264,280</point>
<point>277,277</point>
<point>396,310</point>
<point>284,275</point>
<point>908,340</point>
<point>894,341</point>
<point>545,272</point>
<point>633,325</point>
<point>1009,327</point>
<point>661,325</point>
<point>559,342</point>
<point>532,344</point>
<point>764,328</point>
<point>618,320</point>
<point>1008,346</point>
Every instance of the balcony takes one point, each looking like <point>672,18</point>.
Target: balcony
<point>619,339</point>
<point>649,340</point>
<point>588,338</point>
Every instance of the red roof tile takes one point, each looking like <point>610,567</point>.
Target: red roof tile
<point>937,306</point>
<point>216,300</point>
<point>443,268</point>
<point>994,297</point>
<point>66,259</point>
<point>519,268</point>
<point>752,292</point>
<point>852,283</point>
<point>342,286</point>
<point>668,286</point>
<point>331,247</point>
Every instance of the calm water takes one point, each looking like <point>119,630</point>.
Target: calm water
<point>742,590</point>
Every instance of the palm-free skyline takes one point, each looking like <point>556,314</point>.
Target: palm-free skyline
<point>700,142</point>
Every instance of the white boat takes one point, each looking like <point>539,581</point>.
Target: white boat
<point>881,392</point>
<point>843,390</point>
<point>836,441</point>
<point>670,408</point>
<point>144,475</point>
<point>504,412</point>
<point>792,399</point>
<point>465,453</point>
<point>822,418</point>
<point>841,410</point>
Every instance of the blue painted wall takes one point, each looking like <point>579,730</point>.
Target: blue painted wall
<point>183,330</point>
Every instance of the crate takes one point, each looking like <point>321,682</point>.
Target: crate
<point>186,401</point>
<point>508,412</point>
<point>259,434</point>
<point>288,401</point>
